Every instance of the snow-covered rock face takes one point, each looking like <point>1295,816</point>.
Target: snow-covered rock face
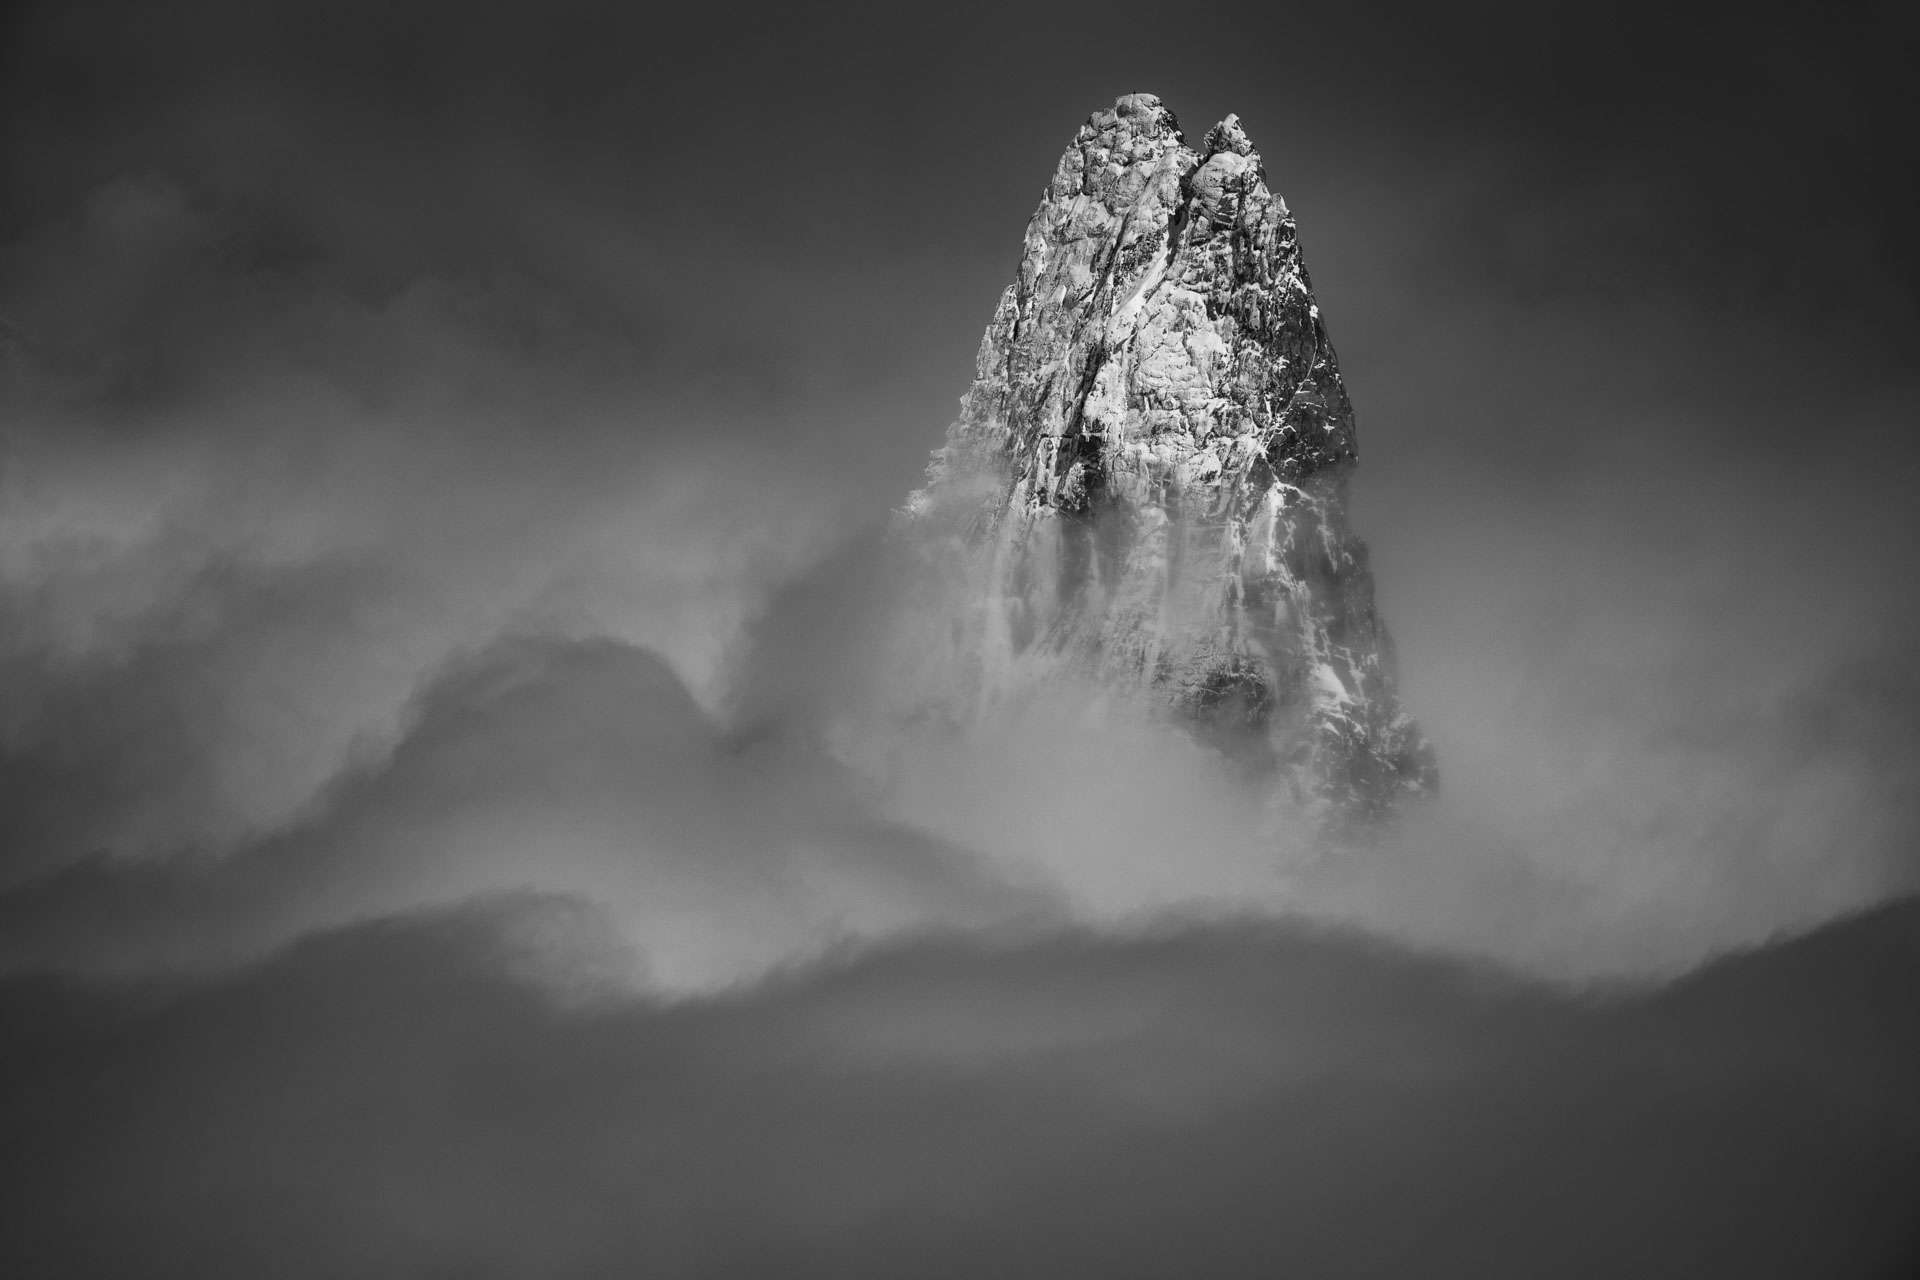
<point>1147,481</point>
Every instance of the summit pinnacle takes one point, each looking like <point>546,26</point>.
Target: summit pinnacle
<point>1147,482</point>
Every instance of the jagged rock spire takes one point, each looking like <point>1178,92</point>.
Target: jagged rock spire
<point>1150,470</point>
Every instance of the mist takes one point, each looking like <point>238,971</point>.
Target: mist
<point>439,1093</point>
<point>454,815</point>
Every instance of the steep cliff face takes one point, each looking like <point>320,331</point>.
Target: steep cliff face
<point>1147,482</point>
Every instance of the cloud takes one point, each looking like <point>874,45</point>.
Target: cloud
<point>443,822</point>
<point>572,766</point>
<point>248,510</point>
<point>346,342</point>
<point>413,1094</point>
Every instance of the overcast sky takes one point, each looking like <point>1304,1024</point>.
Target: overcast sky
<point>421,420</point>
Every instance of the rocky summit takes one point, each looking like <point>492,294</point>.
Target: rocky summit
<point>1147,483</point>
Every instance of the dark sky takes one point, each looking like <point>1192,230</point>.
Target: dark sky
<point>413,415</point>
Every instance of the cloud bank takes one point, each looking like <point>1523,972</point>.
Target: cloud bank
<point>439,458</point>
<point>409,1097</point>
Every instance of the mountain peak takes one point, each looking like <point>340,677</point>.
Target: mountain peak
<point>1228,136</point>
<point>1148,477</point>
<point>1144,111</point>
